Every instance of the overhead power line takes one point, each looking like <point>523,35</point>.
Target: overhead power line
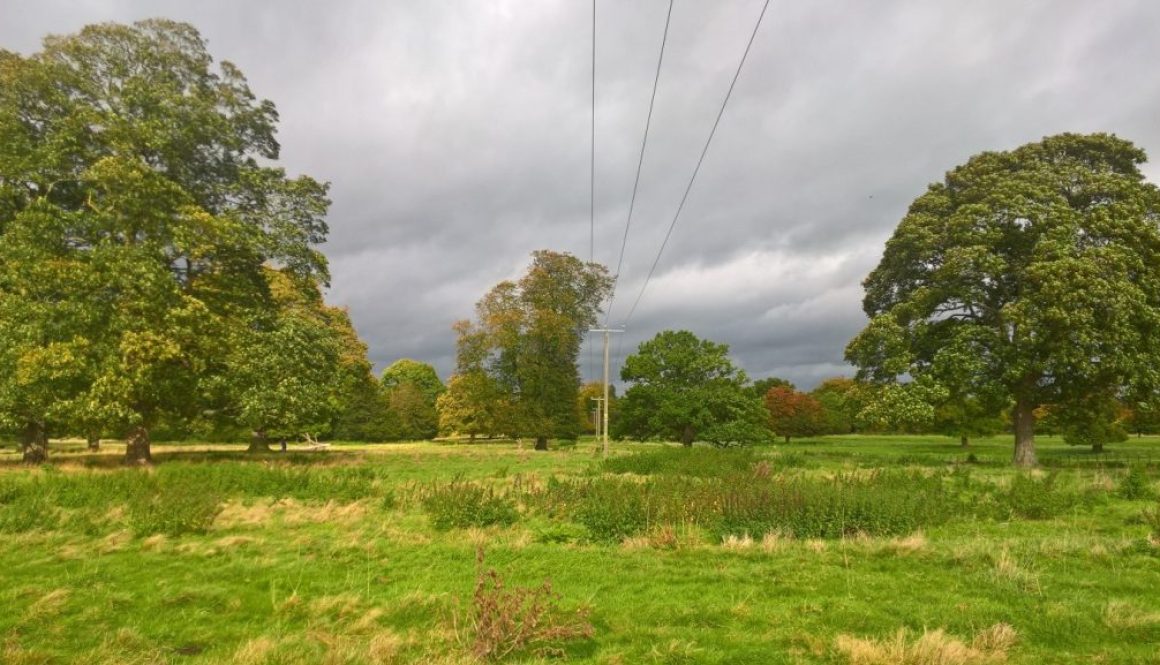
<point>700,160</point>
<point>592,178</point>
<point>592,154</point>
<point>639,163</point>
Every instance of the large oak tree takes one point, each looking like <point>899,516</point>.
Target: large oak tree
<point>150,167</point>
<point>1027,277</point>
<point>685,389</point>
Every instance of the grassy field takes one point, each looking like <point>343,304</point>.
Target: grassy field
<point>837,550</point>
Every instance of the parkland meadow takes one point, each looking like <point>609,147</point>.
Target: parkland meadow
<point>855,549</point>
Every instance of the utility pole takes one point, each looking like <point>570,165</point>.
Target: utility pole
<point>604,429</point>
<point>596,414</point>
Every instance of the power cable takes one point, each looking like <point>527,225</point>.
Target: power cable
<point>700,160</point>
<point>639,163</point>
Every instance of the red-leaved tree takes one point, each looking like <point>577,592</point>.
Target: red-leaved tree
<point>792,413</point>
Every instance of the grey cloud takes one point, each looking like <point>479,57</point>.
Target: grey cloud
<point>456,138</point>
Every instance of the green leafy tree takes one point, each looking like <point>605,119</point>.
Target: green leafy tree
<point>46,320</point>
<point>842,399</point>
<point>527,340</point>
<point>760,387</point>
<point>793,413</point>
<point>412,389</point>
<point>684,388</point>
<point>586,405</point>
<point>419,374</point>
<point>901,407</point>
<point>1142,417</point>
<point>153,165</point>
<point>284,372</point>
<point>967,417</point>
<point>473,405</point>
<point>1029,277</point>
<point>1096,423</point>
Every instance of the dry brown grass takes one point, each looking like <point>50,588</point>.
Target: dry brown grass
<point>154,543</point>
<point>239,515</point>
<point>236,542</point>
<point>773,542</point>
<point>936,647</point>
<point>1121,616</point>
<point>255,651</point>
<point>125,647</point>
<point>737,542</point>
<point>1006,568</point>
<point>664,537</point>
<point>47,606</point>
<point>907,545</point>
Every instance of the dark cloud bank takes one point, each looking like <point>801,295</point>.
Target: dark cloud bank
<point>456,138</point>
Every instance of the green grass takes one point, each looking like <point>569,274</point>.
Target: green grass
<point>367,554</point>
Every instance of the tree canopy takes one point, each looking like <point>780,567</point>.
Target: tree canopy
<point>1026,277</point>
<point>526,340</point>
<point>793,413</point>
<point>684,388</point>
<point>139,211</point>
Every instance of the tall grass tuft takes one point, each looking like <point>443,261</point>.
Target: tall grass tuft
<point>460,504</point>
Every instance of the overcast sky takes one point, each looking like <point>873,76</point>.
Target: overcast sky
<point>456,139</point>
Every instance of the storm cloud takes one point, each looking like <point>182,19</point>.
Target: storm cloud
<point>456,139</point>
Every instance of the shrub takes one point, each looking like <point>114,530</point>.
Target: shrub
<point>1037,499</point>
<point>878,504</point>
<point>459,504</point>
<point>1135,485</point>
<point>612,509</point>
<point>752,503</point>
<point>506,621</point>
<point>1151,518</point>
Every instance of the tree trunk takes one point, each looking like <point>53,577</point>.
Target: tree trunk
<point>687,436</point>
<point>541,443</point>
<point>787,438</point>
<point>258,442</point>
<point>1024,435</point>
<point>1098,447</point>
<point>94,441</point>
<point>964,440</point>
<point>137,446</point>
<point>472,438</point>
<point>34,444</point>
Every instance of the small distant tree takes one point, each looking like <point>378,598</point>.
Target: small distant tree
<point>473,405</point>
<point>419,374</point>
<point>685,388</point>
<point>586,405</point>
<point>842,399</point>
<point>412,389</point>
<point>526,340</point>
<point>793,413</point>
<point>967,417</point>
<point>1096,423</point>
<point>760,387</point>
<point>1142,417</point>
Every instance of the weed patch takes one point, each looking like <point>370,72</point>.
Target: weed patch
<point>503,621</point>
<point>460,504</point>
